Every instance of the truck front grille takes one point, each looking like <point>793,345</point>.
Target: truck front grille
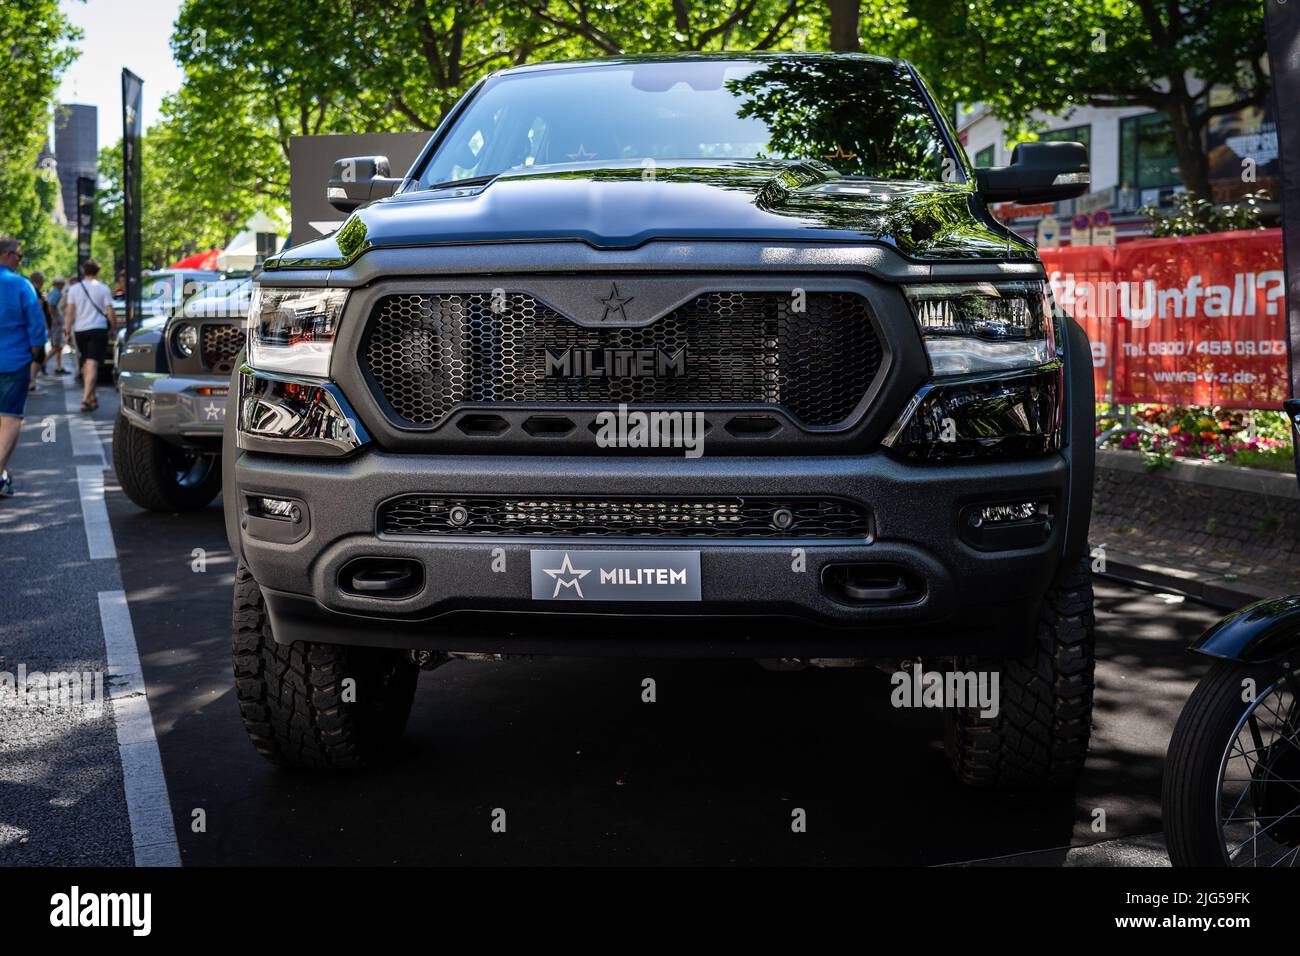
<point>730,517</point>
<point>428,353</point>
<point>220,343</point>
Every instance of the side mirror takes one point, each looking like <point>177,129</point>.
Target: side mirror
<point>1039,172</point>
<point>358,180</point>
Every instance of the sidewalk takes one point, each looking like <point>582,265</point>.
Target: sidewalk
<point>1225,535</point>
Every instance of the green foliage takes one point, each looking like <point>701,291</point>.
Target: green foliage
<point>1193,216</point>
<point>182,210</point>
<point>1258,438</point>
<point>258,74</point>
<point>1024,55</point>
<point>35,36</point>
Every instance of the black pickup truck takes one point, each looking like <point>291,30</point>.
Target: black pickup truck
<point>689,356</point>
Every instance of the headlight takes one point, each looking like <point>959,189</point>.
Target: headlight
<point>186,338</point>
<point>979,327</point>
<point>292,330</point>
<point>989,416</point>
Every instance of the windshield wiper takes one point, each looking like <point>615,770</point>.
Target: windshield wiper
<point>471,181</point>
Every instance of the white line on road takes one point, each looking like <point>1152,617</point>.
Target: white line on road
<point>85,440</point>
<point>153,834</point>
<point>99,533</point>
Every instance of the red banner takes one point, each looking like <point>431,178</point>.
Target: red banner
<point>1198,320</point>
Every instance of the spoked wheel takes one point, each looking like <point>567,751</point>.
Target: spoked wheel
<point>1232,784</point>
<point>1259,782</point>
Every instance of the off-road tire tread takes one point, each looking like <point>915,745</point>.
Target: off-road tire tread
<point>1039,737</point>
<point>291,696</point>
<point>143,471</point>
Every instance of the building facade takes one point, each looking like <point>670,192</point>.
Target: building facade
<point>1133,163</point>
<point>76,149</point>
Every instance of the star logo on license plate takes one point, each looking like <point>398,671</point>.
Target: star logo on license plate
<point>567,570</point>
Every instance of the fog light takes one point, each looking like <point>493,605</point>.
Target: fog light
<point>277,508</point>
<point>1002,514</point>
<point>1006,525</point>
<point>146,407</point>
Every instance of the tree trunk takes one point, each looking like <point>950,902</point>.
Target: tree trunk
<point>844,25</point>
<point>1193,165</point>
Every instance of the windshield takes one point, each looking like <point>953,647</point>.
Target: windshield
<point>865,117</point>
<point>221,298</point>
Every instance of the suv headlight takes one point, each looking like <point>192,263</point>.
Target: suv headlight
<point>292,330</point>
<point>980,327</point>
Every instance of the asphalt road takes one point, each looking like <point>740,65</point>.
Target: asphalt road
<point>584,770</point>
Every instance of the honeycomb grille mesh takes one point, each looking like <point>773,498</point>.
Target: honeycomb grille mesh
<point>428,353</point>
<point>220,344</point>
<point>643,517</point>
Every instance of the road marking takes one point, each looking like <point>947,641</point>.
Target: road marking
<point>153,833</point>
<point>85,439</point>
<point>94,512</point>
<point>71,394</point>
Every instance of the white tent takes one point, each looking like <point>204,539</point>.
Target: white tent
<point>241,254</point>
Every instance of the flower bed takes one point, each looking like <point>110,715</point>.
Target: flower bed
<point>1162,433</point>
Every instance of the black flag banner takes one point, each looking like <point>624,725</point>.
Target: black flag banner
<point>85,218</point>
<point>132,99</point>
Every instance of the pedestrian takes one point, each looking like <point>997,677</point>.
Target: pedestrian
<point>22,338</point>
<point>88,316</point>
<point>55,328</point>
<point>37,279</point>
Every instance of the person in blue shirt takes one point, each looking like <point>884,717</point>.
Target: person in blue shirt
<point>22,341</point>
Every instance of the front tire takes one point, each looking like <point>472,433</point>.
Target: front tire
<point>1039,737</point>
<point>159,476</point>
<point>294,700</point>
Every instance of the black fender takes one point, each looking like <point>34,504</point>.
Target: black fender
<point>1260,633</point>
<point>1080,444</point>
<point>147,355</point>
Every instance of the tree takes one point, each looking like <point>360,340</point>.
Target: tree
<point>845,15</point>
<point>36,37</point>
<point>257,74</point>
<point>1022,55</point>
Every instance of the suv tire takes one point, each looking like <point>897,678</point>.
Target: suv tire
<point>1039,738</point>
<point>153,472</point>
<point>291,696</point>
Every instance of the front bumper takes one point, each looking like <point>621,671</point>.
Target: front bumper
<point>476,589</point>
<point>173,407</point>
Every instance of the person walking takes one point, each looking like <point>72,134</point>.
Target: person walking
<point>22,338</point>
<point>37,279</point>
<point>55,328</point>
<point>88,316</point>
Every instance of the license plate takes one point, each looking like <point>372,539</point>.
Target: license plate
<point>616,575</point>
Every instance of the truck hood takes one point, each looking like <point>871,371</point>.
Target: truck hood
<point>622,206</point>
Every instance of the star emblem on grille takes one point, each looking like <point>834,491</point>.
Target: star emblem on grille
<point>567,570</point>
<point>613,304</point>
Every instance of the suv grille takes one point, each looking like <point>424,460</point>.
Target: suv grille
<point>641,517</point>
<point>428,353</point>
<point>220,344</point>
